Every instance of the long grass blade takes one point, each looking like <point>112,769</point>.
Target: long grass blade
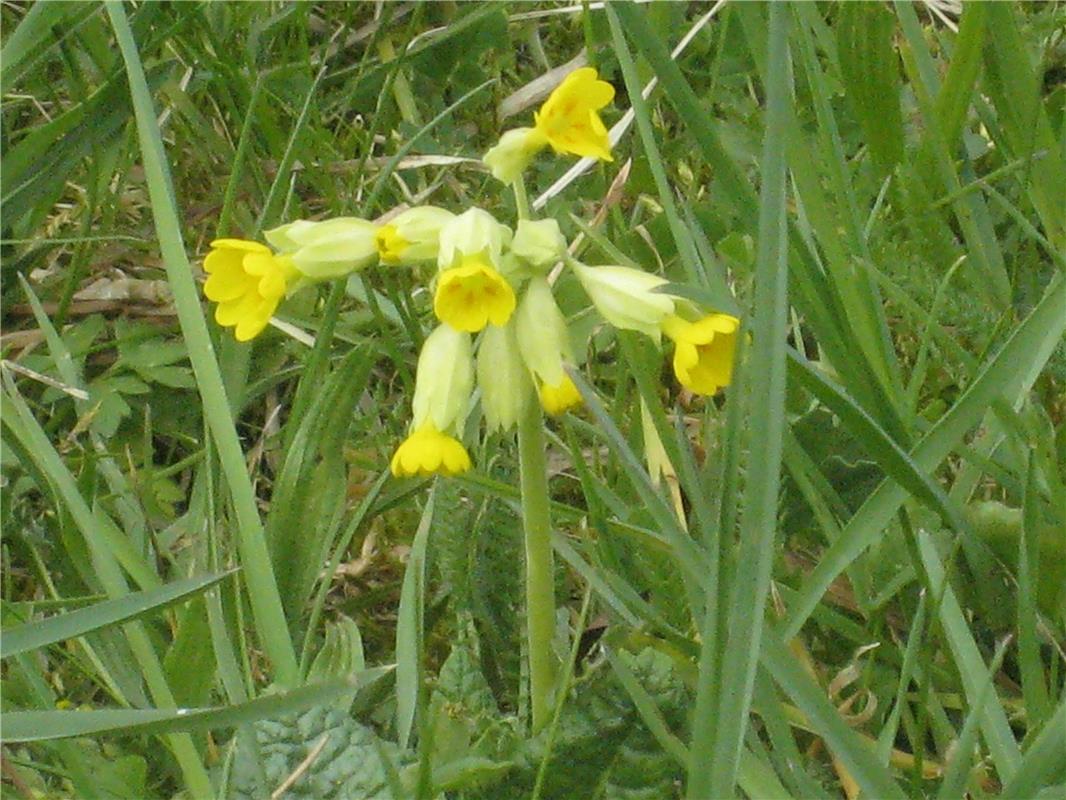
<point>42,633</point>
<point>715,754</point>
<point>262,587</point>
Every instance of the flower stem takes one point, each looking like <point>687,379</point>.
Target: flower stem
<point>540,584</point>
<point>521,198</point>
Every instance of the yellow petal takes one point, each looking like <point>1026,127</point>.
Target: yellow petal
<point>473,294</point>
<point>557,399</point>
<point>242,245</point>
<point>226,283</point>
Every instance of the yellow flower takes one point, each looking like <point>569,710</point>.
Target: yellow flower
<point>557,399</point>
<point>568,118</point>
<point>703,351</point>
<point>428,451</point>
<point>470,296</point>
<point>247,281</point>
<point>412,235</point>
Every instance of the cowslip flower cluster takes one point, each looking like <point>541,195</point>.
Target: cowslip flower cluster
<point>500,329</point>
<point>248,280</point>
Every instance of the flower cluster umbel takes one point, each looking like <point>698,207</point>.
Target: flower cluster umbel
<point>500,327</point>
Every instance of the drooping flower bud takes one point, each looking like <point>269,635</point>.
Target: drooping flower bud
<point>443,384</point>
<point>544,341</point>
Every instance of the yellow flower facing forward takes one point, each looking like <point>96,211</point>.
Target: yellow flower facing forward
<point>557,399</point>
<point>412,236</point>
<point>569,119</point>
<point>428,451</point>
<point>704,350</point>
<point>247,281</point>
<point>472,295</point>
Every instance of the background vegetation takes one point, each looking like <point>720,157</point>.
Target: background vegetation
<point>863,593</point>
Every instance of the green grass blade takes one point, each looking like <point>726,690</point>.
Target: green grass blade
<point>28,41</point>
<point>1034,690</point>
<point>995,728</point>
<point>85,620</point>
<point>262,587</point>
<point>692,112</point>
<point>110,552</point>
<point>646,707</point>
<point>878,444</point>
<point>957,771</point>
<point>1042,762</point>
<point>103,537</point>
<point>686,248</point>
<point>825,720</point>
<point>720,749</point>
<point>1015,90</point>
<point>1007,374</point>
<point>36,726</point>
<point>409,628</point>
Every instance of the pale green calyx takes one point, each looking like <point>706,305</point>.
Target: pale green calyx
<point>502,377</point>
<point>444,379</point>
<point>328,249</point>
<point>512,154</point>
<point>543,338</point>
<point>475,232</point>
<point>627,298</point>
<point>412,236</point>
<point>539,243</point>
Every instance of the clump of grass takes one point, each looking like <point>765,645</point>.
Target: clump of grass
<point>834,579</point>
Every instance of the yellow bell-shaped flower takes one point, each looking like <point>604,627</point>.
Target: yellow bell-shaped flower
<point>471,292</point>
<point>428,451</point>
<point>569,119</point>
<point>247,281</point>
<point>703,351</point>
